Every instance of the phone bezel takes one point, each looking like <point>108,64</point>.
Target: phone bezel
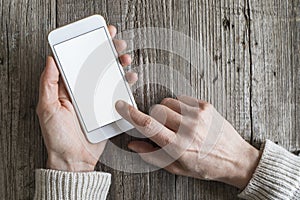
<point>77,29</point>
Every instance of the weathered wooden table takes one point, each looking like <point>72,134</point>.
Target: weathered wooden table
<point>252,79</point>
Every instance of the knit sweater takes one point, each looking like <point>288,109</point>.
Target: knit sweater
<point>277,176</point>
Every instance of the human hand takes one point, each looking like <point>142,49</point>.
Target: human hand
<point>199,142</point>
<point>67,147</point>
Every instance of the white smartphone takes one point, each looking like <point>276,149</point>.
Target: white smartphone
<point>94,78</point>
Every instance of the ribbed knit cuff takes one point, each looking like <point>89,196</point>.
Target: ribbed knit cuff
<point>52,184</point>
<point>277,175</point>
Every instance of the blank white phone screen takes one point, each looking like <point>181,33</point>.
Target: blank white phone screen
<point>93,75</point>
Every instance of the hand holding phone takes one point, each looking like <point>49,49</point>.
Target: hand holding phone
<point>68,149</point>
<point>93,77</point>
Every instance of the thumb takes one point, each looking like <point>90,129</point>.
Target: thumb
<point>49,83</point>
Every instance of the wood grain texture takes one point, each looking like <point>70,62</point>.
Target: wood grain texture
<point>223,79</point>
<point>274,42</point>
<point>24,26</point>
<point>247,66</point>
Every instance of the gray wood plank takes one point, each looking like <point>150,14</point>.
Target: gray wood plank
<point>223,78</point>
<point>24,26</point>
<point>223,28</point>
<point>254,75</point>
<point>221,75</point>
<point>4,117</point>
<point>275,71</point>
<point>295,60</point>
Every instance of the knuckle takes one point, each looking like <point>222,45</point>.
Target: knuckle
<point>135,116</point>
<point>169,140</point>
<point>165,101</point>
<point>155,110</point>
<point>165,140</point>
<point>146,122</point>
<point>44,81</point>
<point>205,105</point>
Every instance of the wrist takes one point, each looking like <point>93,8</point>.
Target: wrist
<point>67,164</point>
<point>245,165</point>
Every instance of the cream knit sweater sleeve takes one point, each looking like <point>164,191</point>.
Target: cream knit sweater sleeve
<point>59,185</point>
<point>277,176</point>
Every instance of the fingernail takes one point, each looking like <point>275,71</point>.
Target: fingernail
<point>131,77</point>
<point>120,105</point>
